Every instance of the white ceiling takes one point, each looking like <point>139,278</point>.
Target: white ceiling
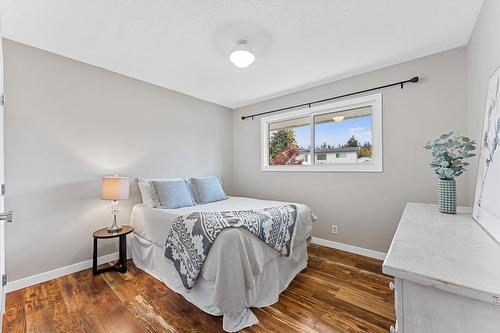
<point>184,45</point>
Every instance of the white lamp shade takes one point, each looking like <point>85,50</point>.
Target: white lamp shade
<point>114,188</point>
<point>242,56</point>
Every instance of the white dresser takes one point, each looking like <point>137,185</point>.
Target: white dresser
<point>446,272</point>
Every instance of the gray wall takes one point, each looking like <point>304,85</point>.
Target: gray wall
<point>366,206</point>
<point>66,125</point>
<point>483,57</point>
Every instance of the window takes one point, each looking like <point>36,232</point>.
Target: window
<point>320,157</point>
<point>339,136</point>
<point>289,141</point>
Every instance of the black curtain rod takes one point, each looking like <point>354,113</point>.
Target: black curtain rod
<point>401,83</point>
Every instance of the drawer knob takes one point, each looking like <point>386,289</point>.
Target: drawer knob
<point>392,286</point>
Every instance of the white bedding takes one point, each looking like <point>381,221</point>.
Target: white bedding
<point>153,224</point>
<point>250,274</point>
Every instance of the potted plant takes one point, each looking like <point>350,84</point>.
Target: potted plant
<point>448,154</point>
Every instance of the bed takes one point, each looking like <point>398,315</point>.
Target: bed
<point>240,270</point>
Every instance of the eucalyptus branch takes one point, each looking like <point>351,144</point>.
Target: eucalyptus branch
<point>448,154</point>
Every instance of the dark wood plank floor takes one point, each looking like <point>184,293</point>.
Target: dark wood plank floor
<point>338,292</point>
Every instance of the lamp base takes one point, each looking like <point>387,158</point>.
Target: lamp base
<point>115,227</point>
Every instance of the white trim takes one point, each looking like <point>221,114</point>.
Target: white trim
<point>349,248</point>
<point>58,272</point>
<point>375,101</point>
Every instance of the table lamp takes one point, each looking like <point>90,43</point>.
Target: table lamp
<point>114,188</point>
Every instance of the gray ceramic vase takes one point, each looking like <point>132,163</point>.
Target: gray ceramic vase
<point>447,196</point>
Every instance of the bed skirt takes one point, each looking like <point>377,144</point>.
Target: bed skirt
<point>275,276</point>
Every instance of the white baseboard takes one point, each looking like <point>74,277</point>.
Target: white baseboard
<point>58,272</point>
<point>349,248</point>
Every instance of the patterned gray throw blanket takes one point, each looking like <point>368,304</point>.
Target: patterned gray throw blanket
<point>192,235</point>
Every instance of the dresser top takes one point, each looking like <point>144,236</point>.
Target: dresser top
<point>449,252</point>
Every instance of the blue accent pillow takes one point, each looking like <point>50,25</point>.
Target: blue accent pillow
<point>173,193</point>
<point>207,189</point>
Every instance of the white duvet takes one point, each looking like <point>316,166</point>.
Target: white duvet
<point>240,271</point>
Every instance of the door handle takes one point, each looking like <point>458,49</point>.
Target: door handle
<point>7,216</point>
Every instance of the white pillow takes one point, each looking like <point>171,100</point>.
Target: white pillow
<point>149,196</point>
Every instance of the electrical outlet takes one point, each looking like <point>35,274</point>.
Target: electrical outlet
<point>335,229</point>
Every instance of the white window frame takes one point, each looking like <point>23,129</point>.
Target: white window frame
<point>375,165</point>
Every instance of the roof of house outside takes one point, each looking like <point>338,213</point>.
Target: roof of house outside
<point>331,150</point>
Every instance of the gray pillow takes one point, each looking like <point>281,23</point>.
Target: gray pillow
<point>207,189</point>
<point>173,193</point>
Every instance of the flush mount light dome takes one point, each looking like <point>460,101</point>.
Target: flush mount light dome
<point>242,55</point>
<point>338,118</point>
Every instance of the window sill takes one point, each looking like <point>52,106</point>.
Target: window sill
<point>373,168</point>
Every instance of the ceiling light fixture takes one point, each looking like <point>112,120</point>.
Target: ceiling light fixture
<point>338,118</point>
<point>242,56</point>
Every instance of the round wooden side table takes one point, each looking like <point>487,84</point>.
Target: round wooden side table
<point>121,265</point>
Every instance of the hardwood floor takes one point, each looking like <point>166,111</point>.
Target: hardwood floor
<point>338,292</point>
